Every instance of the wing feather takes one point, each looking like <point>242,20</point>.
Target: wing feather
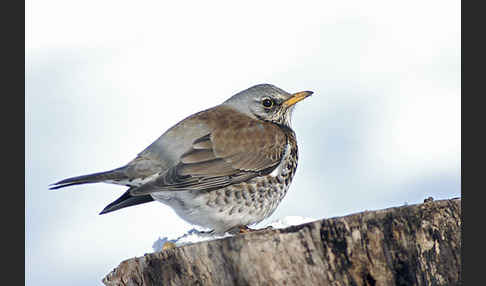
<point>223,157</point>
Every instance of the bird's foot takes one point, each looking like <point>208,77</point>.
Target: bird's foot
<point>245,229</point>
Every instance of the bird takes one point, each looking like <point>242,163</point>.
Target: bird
<point>224,168</point>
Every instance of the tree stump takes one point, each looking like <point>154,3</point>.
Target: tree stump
<point>408,245</point>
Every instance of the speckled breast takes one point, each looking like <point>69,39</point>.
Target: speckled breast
<point>243,203</point>
<point>252,201</point>
<point>257,198</point>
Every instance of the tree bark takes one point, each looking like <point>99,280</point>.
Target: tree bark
<point>408,245</point>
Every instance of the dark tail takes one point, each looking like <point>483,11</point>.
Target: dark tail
<point>116,174</point>
<point>126,200</point>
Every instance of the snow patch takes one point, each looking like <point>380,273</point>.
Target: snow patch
<point>195,235</point>
<point>192,236</point>
<point>289,221</point>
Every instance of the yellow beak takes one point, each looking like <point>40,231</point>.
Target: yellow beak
<point>296,97</point>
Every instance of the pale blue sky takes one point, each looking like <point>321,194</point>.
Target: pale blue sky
<point>106,78</point>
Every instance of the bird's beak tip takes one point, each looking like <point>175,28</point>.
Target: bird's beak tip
<point>296,97</point>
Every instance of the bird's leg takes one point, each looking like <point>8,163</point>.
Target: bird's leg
<point>239,229</point>
<point>245,229</point>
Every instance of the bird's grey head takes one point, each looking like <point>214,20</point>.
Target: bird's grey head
<point>267,102</point>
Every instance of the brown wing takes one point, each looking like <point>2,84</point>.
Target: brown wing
<point>225,156</point>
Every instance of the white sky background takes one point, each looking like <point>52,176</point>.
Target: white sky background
<point>106,78</point>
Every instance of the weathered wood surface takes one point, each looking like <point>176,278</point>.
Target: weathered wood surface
<point>409,245</point>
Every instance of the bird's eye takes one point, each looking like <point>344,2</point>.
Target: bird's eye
<point>267,103</point>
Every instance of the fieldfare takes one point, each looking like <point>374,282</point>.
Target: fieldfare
<point>223,168</point>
